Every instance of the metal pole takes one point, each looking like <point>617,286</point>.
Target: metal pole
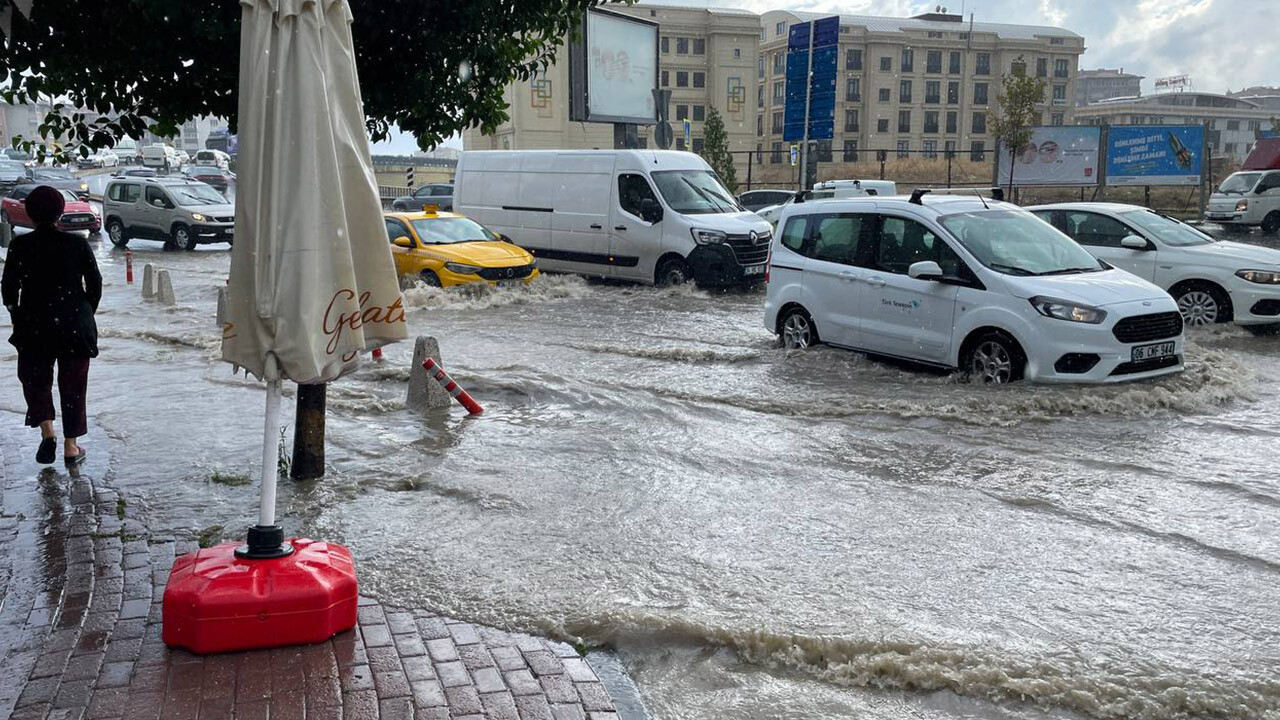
<point>949,154</point>
<point>270,456</point>
<point>751,159</point>
<point>808,96</point>
<point>308,433</point>
<point>1104,156</point>
<point>1208,169</point>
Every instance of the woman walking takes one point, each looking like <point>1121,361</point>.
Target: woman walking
<point>51,287</point>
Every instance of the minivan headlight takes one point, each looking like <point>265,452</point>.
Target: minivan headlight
<point>1242,206</point>
<point>461,269</point>
<point>198,217</point>
<point>1262,277</point>
<point>1069,311</point>
<point>708,237</point>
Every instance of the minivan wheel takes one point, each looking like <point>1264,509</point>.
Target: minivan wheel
<point>1201,304</point>
<point>671,271</point>
<point>1271,223</point>
<point>116,233</point>
<point>430,279</point>
<point>994,359</point>
<point>183,238</point>
<point>797,330</point>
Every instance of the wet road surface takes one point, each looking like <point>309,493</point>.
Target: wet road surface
<point>760,533</point>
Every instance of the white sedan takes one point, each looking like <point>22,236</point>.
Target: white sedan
<point>1213,281</point>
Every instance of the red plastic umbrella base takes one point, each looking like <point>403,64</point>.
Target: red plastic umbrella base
<point>218,602</point>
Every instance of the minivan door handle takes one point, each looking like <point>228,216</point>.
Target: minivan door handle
<point>875,280</point>
<point>849,276</point>
<point>597,226</point>
<point>620,228</point>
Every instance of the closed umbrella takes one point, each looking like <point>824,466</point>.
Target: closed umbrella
<point>312,284</point>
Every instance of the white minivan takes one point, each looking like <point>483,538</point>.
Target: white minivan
<point>159,156</point>
<point>964,282</point>
<point>649,216</point>
<point>1249,198</point>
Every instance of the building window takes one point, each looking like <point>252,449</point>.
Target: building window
<point>931,149</point>
<point>779,63</point>
<point>1233,124</point>
<point>953,65</point>
<point>666,44</point>
<point>851,120</point>
<point>979,123</point>
<point>697,145</point>
<point>737,53</point>
<point>760,67</point>
<point>932,92</point>
<point>886,64</point>
<point>904,91</point>
<point>904,148</point>
<point>699,79</point>
<point>935,34</point>
<point>982,66</point>
<point>779,29</point>
<point>882,125</point>
<point>1229,148</point>
<point>951,121</point>
<point>779,92</point>
<point>682,78</point>
<point>760,96</point>
<point>949,148</point>
<point>699,46</point>
<point>853,59</point>
<point>775,153</point>
<point>853,90</point>
<point>931,122</point>
<point>760,125</point>
<point>1055,119</point>
<point>1060,92</point>
<point>933,61</point>
<point>1018,67</point>
<point>666,79</point>
<point>1057,41</point>
<point>904,121</point>
<point>980,93</point>
<point>908,60</point>
<point>682,112</point>
<point>762,33</point>
<point>1255,125</point>
<point>883,95</point>
<point>699,113</point>
<point>850,151</point>
<point>682,46</point>
<point>777,123</point>
<point>977,151</point>
<point>1060,68</point>
<point>1042,67</point>
<point>759,153</point>
<point>680,143</point>
<point>953,92</point>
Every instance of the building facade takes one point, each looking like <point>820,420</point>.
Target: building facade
<point>1261,95</point>
<point>1233,122</point>
<point>927,84</point>
<point>1105,84</point>
<point>706,58</point>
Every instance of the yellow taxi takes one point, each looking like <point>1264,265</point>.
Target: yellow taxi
<point>446,249</point>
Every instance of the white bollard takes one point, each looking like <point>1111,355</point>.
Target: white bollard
<point>164,289</point>
<point>222,306</point>
<point>148,282</point>
<point>424,392</point>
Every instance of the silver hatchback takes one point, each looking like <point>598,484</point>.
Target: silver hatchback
<point>181,213</point>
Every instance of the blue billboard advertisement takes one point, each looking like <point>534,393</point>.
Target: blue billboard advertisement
<point>1154,154</point>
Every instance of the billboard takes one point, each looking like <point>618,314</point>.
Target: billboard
<point>614,70</point>
<point>1059,155</point>
<point>1154,154</point>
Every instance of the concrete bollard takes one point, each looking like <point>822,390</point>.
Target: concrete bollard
<point>222,306</point>
<point>148,282</point>
<point>6,234</point>
<point>164,288</point>
<point>424,392</point>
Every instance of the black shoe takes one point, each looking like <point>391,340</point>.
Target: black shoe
<point>76,460</point>
<point>47,451</point>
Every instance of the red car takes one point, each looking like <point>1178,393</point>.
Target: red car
<point>211,175</point>
<point>78,214</point>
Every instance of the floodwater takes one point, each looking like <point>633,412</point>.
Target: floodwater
<point>758,533</point>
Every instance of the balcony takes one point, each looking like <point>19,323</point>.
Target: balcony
<point>1059,102</point>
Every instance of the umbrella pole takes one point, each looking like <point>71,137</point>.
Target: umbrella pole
<point>266,539</point>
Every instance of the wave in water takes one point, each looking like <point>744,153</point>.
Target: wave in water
<point>197,341</point>
<point>480,296</point>
<point>676,354</point>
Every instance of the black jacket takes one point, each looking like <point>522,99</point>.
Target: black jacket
<point>51,287</point>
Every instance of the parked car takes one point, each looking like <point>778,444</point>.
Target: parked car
<point>833,189</point>
<point>60,178</point>
<point>756,200</point>
<point>1250,198</point>
<point>103,158</point>
<point>135,172</point>
<point>216,158</point>
<point>77,215</point>
<point>182,156</point>
<point>438,194</point>
<point>446,249</point>
<point>12,173</point>
<point>212,175</point>
<point>180,212</point>
<point>648,216</point>
<point>964,282</point>
<point>21,156</point>
<point>1213,281</point>
<point>159,156</point>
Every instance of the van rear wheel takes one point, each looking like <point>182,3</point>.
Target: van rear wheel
<point>797,330</point>
<point>1271,223</point>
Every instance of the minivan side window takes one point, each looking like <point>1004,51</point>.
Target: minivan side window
<point>793,234</point>
<point>1269,182</point>
<point>632,190</point>
<point>155,193</point>
<point>131,193</point>
<point>1095,230</point>
<point>904,242</point>
<point>837,238</point>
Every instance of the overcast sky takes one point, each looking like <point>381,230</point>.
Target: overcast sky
<point>1221,44</point>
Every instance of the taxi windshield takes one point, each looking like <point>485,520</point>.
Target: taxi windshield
<point>451,230</point>
<point>1015,242</point>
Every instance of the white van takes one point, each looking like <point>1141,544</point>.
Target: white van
<point>159,156</point>
<point>1249,198</point>
<point>216,158</point>
<point>964,282</point>
<point>650,216</point>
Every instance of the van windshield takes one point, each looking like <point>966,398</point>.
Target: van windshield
<point>1239,183</point>
<point>196,194</point>
<point>695,192</point>
<point>1015,242</point>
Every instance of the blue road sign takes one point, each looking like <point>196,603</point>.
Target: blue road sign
<point>812,89</point>
<point>826,32</point>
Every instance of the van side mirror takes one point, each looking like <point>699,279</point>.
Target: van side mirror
<point>157,202</point>
<point>650,210</point>
<point>403,242</point>
<point>1133,242</point>
<point>925,270</point>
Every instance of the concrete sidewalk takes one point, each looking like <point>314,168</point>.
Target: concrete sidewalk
<point>81,582</point>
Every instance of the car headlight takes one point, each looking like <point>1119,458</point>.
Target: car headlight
<point>1069,311</point>
<point>461,268</point>
<point>1262,277</point>
<point>198,217</point>
<point>84,186</point>
<point>1242,206</point>
<point>708,237</point>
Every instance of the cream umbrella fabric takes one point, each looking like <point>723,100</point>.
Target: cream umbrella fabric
<point>312,281</point>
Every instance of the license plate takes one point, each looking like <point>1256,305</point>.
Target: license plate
<point>1151,352</point>
<point>229,231</point>
<point>510,283</point>
<point>753,270</point>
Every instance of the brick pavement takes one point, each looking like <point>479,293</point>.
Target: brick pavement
<point>81,582</point>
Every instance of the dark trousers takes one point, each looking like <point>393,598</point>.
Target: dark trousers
<point>35,372</point>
